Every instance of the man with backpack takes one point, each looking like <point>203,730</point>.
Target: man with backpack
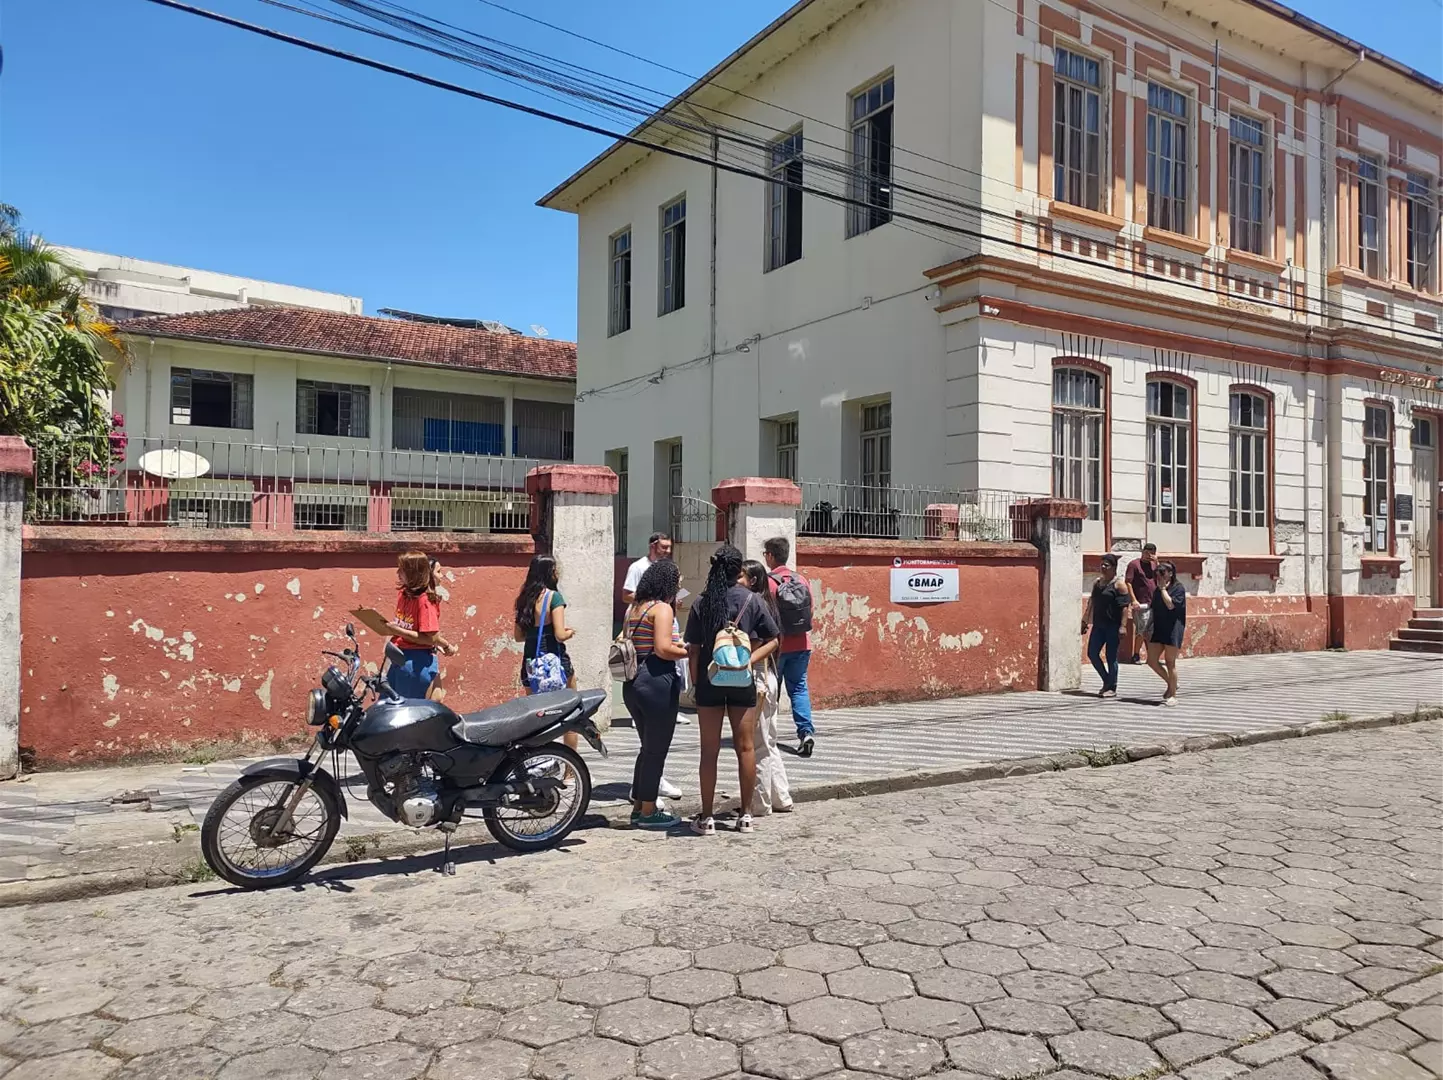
<point>794,608</point>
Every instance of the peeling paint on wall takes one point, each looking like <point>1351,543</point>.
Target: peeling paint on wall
<point>263,691</point>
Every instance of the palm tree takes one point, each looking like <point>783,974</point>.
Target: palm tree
<point>55,349</point>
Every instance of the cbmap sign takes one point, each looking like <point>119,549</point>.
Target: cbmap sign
<point>917,582</point>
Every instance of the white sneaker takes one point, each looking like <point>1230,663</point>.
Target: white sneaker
<point>1169,701</point>
<point>667,790</point>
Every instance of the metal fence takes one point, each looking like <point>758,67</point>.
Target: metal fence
<point>692,518</point>
<point>901,512</point>
<point>199,483</point>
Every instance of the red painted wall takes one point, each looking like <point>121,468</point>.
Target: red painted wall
<point>1367,622</point>
<point>867,649</point>
<point>143,648</point>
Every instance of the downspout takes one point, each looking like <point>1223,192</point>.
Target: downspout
<point>712,478</point>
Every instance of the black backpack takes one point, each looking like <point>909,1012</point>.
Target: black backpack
<point>794,602</point>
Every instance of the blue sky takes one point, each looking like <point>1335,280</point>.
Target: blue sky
<point>129,128</point>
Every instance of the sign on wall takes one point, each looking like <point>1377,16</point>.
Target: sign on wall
<point>1403,507</point>
<point>922,582</point>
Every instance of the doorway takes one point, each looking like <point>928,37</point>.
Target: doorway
<point>1425,511</point>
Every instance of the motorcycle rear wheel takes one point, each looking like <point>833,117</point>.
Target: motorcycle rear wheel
<point>537,830</point>
<point>312,830</point>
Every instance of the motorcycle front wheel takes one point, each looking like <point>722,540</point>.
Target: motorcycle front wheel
<point>524,825</point>
<point>239,840</point>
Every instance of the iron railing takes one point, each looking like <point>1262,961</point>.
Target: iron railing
<point>902,512</point>
<point>692,518</point>
<point>201,483</point>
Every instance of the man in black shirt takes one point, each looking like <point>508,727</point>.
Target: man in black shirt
<point>1105,609</point>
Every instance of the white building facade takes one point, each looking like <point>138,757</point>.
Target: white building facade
<point>126,288</point>
<point>1099,251</point>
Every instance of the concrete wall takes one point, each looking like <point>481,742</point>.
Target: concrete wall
<point>146,646</point>
<point>867,649</point>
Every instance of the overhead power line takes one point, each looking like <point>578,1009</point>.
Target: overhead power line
<point>702,159</point>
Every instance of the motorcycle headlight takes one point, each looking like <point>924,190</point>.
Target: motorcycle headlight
<point>316,711</point>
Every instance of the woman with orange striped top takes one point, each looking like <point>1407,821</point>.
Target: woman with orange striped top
<point>651,697</point>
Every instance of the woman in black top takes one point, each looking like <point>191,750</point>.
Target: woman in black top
<point>1169,625</point>
<point>726,600</point>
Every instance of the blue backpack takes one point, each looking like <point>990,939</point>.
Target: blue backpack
<point>731,655</point>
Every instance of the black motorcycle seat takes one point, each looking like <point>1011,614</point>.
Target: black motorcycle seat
<point>503,724</point>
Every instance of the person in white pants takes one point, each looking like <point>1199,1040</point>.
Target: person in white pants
<point>772,795</point>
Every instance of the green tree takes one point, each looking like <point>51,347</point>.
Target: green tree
<point>56,352</point>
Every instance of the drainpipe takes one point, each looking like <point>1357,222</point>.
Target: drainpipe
<point>712,478</point>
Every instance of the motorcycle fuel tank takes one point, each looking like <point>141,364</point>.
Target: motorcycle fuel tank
<point>399,726</point>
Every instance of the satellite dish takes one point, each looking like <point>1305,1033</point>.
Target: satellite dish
<point>539,330</point>
<point>174,464</point>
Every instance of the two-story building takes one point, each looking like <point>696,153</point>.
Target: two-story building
<point>1181,266</point>
<point>286,418</point>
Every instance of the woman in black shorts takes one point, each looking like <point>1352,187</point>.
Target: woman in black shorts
<point>726,600</point>
<point>1169,627</point>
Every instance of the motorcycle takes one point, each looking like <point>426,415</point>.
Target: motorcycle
<point>424,767</point>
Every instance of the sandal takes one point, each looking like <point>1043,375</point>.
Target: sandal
<point>703,825</point>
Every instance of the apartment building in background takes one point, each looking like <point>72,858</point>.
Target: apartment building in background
<point>1181,266</point>
<point>126,288</point>
<point>294,419</point>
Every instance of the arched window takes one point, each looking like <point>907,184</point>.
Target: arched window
<point>1077,437</point>
<point>1377,478</point>
<point>1249,416</point>
<point>1169,452</point>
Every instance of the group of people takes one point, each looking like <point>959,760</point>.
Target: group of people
<point>738,599</point>
<point>739,596</point>
<point>1157,603</point>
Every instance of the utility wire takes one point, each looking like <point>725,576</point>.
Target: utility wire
<point>697,158</point>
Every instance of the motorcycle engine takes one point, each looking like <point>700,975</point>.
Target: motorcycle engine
<point>413,790</point>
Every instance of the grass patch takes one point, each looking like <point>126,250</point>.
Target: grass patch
<point>195,872</point>
<point>1098,759</point>
<point>356,846</point>
<point>1335,717</point>
<point>179,829</point>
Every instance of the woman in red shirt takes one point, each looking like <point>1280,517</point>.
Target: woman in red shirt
<point>416,629</point>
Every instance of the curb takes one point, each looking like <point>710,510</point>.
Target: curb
<point>416,842</point>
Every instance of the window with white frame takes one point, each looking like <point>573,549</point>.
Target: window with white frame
<point>1077,419</point>
<point>784,201</point>
<point>787,443</point>
<point>340,409</point>
<point>1248,463</point>
<point>217,399</point>
<point>1169,452</point>
<point>619,317</point>
<point>876,448</point>
<point>673,256</point>
<point>1371,218</point>
<point>1377,478</point>
<point>1077,129</point>
<point>871,119</point>
<point>1247,182</point>
<point>1422,231</point>
<point>1167,158</point>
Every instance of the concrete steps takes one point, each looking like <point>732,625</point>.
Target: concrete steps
<point>1423,634</point>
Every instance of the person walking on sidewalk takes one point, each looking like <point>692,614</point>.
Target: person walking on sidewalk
<point>1104,612</point>
<point>658,549</point>
<point>651,697</point>
<point>1169,626</point>
<point>541,624</point>
<point>1141,582</point>
<point>794,613</point>
<point>773,794</point>
<point>727,604</point>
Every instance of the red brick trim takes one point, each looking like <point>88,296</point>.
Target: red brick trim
<point>765,490</point>
<point>809,547</point>
<point>73,539</point>
<point>1380,566</point>
<point>1056,508</point>
<point>1191,563</point>
<point>575,479</point>
<point>16,457</point>
<point>1238,565</point>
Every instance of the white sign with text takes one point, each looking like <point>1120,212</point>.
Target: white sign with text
<point>924,582</point>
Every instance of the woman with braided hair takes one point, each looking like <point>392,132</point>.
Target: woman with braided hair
<point>726,602</point>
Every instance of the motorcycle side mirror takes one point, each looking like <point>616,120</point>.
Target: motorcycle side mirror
<point>351,631</point>
<point>394,654</point>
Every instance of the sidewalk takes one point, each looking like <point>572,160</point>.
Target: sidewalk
<point>61,832</point>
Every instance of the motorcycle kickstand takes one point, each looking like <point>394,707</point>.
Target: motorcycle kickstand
<point>448,868</point>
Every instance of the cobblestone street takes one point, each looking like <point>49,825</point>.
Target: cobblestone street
<point>1273,911</point>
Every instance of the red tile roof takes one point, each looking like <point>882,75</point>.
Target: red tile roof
<point>363,337</point>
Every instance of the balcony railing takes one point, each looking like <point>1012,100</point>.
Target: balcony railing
<point>202,483</point>
<point>902,512</point>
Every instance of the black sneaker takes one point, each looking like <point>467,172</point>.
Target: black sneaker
<point>804,748</point>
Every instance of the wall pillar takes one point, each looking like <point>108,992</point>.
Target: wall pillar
<point>571,518</point>
<point>1057,532</point>
<point>16,463</point>
<point>757,509</point>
